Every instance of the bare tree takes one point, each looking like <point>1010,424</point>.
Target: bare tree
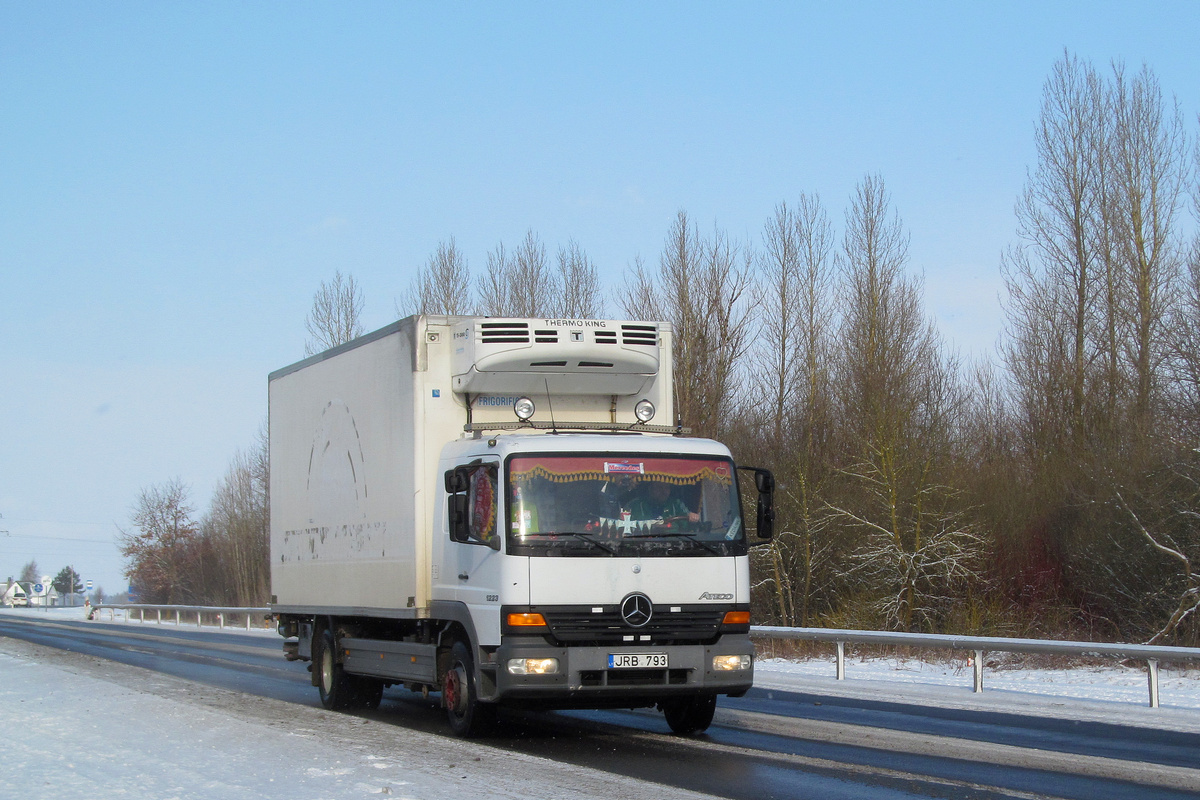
<point>796,313</point>
<point>792,358</point>
<point>30,573</point>
<point>1179,544</point>
<point>1055,298</point>
<point>579,295</point>
<point>638,297</point>
<point>335,315</point>
<point>1098,322</point>
<point>700,289</point>
<point>237,527</point>
<point>1148,157</point>
<point>900,406</point>
<point>443,286</point>
<point>1185,335</point>
<point>495,288</point>
<point>162,553</point>
<point>519,284</point>
<point>921,553</point>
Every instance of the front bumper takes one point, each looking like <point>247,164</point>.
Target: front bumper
<point>583,679</point>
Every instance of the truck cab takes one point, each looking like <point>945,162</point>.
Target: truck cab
<point>598,569</point>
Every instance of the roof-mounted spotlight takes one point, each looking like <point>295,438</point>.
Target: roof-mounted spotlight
<point>523,408</point>
<point>644,411</point>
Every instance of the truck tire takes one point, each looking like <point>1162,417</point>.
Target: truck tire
<point>337,689</point>
<point>468,717</point>
<point>368,693</point>
<point>688,715</point>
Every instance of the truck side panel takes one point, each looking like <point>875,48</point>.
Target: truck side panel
<point>351,475</point>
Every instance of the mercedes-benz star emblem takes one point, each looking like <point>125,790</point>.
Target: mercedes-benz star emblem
<point>636,610</point>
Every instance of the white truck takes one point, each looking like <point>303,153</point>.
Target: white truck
<point>484,508</point>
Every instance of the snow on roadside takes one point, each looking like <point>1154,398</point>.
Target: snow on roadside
<point>86,727</point>
<point>1114,683</point>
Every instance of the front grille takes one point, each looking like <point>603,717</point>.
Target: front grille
<point>689,625</point>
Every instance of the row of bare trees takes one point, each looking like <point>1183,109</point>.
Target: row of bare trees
<point>1060,494</point>
<point>518,283</point>
<point>1056,491</point>
<point>1104,415</point>
<point>220,558</point>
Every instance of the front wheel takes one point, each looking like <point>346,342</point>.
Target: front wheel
<point>468,717</point>
<point>688,715</point>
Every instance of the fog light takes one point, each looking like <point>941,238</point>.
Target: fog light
<point>533,666</point>
<point>523,408</point>
<point>730,663</point>
<point>644,411</point>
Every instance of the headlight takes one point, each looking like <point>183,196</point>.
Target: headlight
<point>644,411</point>
<point>730,663</point>
<point>533,666</point>
<point>523,408</point>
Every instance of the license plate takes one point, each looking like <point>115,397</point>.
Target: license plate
<point>637,660</point>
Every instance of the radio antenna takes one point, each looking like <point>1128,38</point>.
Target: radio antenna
<point>550,404</point>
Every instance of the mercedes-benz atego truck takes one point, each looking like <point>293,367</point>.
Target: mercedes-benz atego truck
<point>486,509</point>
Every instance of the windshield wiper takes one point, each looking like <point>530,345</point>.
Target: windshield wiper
<point>691,537</point>
<point>586,537</point>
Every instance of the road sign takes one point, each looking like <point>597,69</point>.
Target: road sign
<point>37,587</point>
<point>89,586</point>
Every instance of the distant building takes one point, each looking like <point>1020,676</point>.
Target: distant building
<point>14,595</point>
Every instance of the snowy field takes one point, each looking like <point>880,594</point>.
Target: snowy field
<point>91,728</point>
<point>101,729</point>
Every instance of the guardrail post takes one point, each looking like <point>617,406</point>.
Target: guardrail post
<point>160,616</point>
<point>978,670</point>
<point>198,624</point>
<point>247,620</point>
<point>221,620</point>
<point>841,661</point>
<point>1152,676</point>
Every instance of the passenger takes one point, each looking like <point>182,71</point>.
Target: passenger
<point>657,502</point>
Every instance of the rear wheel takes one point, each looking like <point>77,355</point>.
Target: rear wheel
<point>369,693</point>
<point>688,715</point>
<point>468,717</point>
<point>337,689</point>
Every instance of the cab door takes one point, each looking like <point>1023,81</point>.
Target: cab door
<point>475,561</point>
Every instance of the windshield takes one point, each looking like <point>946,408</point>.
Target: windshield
<point>602,505</point>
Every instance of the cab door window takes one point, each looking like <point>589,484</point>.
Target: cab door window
<point>472,506</point>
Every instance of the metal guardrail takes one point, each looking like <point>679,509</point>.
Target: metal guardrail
<point>1151,654</point>
<point>978,645</point>
<point>218,612</point>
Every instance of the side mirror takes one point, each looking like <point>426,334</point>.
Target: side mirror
<point>456,481</point>
<point>456,505</point>
<point>764,482</point>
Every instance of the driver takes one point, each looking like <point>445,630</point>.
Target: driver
<point>658,503</point>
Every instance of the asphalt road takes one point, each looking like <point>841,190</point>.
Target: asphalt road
<point>769,744</point>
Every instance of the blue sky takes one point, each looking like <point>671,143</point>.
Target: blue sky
<point>177,179</point>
